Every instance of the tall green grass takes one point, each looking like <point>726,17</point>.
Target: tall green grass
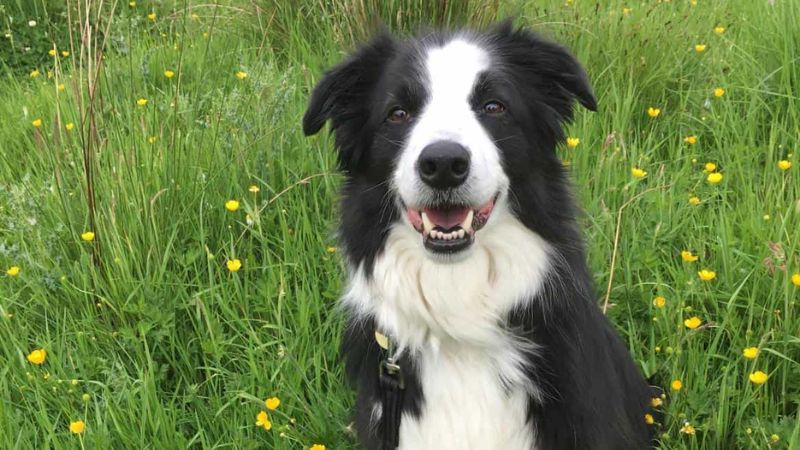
<point>173,350</point>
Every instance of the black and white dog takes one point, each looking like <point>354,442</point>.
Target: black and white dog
<point>461,239</point>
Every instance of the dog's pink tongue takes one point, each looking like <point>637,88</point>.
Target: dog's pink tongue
<point>447,218</point>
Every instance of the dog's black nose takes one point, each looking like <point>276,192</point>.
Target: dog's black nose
<point>443,165</point>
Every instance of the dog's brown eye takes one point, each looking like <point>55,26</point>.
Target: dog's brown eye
<point>398,115</point>
<point>494,107</point>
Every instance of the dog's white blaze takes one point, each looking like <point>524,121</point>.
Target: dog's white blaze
<point>448,313</point>
<point>450,75</point>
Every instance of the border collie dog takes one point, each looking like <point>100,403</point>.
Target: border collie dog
<point>463,249</point>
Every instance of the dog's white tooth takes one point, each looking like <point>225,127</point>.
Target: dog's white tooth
<point>426,222</point>
<point>467,223</point>
<point>436,234</point>
<point>461,233</point>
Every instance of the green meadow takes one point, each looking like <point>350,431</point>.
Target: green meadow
<point>140,308</point>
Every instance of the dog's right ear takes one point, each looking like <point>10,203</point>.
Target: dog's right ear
<point>343,94</point>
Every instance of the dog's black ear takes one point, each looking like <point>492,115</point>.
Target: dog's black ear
<point>549,66</point>
<point>343,93</point>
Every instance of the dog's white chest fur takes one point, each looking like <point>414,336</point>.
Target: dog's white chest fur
<point>449,315</point>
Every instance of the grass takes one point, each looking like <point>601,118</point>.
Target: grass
<point>154,344</point>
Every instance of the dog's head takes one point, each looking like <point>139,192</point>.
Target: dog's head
<point>450,130</point>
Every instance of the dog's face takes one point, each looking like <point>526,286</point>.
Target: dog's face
<point>452,130</point>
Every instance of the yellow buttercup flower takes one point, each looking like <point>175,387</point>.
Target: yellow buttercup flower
<point>692,322</point>
<point>676,385</point>
<point>232,205</point>
<point>653,112</point>
<point>714,178</point>
<point>688,256</point>
<point>152,16</point>
<point>774,439</point>
<point>36,123</point>
<point>35,73</point>
<point>77,427</point>
<point>169,73</point>
<point>655,402</point>
<point>795,279</point>
<point>52,52</point>
<point>272,403</point>
<point>687,428</point>
<point>648,419</point>
<point>573,142</point>
<point>152,139</point>
<point>694,201</point>
<point>69,126</point>
<point>719,92</point>
<point>254,189</point>
<point>141,101</point>
<point>659,302</point>
<point>64,53</point>
<point>233,265</point>
<point>784,164</point>
<point>317,447</point>
<point>87,236</point>
<point>37,356</point>
<point>331,249</point>
<point>700,48</point>
<point>638,173</point>
<point>61,86</point>
<point>758,377</point>
<point>750,352</point>
<point>691,139</point>
<point>710,167</point>
<point>262,420</point>
<point>719,29</point>
<point>132,4</point>
<point>241,75</point>
<point>707,275</point>
<point>13,271</point>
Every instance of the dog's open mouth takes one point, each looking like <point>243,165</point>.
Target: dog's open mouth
<point>450,228</point>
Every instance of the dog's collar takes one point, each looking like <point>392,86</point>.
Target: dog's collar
<point>391,385</point>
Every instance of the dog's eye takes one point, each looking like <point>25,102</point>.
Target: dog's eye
<point>398,115</point>
<point>494,107</point>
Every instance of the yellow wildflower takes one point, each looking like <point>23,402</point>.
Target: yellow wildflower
<point>691,139</point>
<point>774,438</point>
<point>152,139</point>
<point>141,101</point>
<point>676,385</point>
<point>152,16</point>
<point>241,74</point>
<point>36,123</point>
<point>35,73</point>
<point>688,256</point>
<point>52,52</point>
<point>77,427</point>
<point>750,352</point>
<point>700,48</point>
<point>648,419</point>
<point>254,189</point>
<point>758,377</point>
<point>64,53</point>
<point>37,356</point>
<point>659,302</point>
<point>232,205</point>
<point>169,73</point>
<point>692,322</point>
<point>61,86</point>
<point>655,402</point>
<point>626,11</point>
<point>719,92</point>
<point>233,265</point>
<point>784,164</point>
<point>710,167</point>
<point>653,112</point>
<point>87,236</point>
<point>573,142</point>
<point>795,279</point>
<point>86,397</point>
<point>272,403</point>
<point>687,428</point>
<point>69,126</point>
<point>694,200</point>
<point>638,173</point>
<point>331,249</point>
<point>132,4</point>
<point>719,29</point>
<point>317,447</point>
<point>707,275</point>
<point>13,271</point>
<point>262,420</point>
<point>714,178</point>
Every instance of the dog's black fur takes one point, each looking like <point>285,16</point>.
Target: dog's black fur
<point>594,397</point>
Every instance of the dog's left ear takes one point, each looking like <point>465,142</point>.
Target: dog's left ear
<point>549,66</point>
